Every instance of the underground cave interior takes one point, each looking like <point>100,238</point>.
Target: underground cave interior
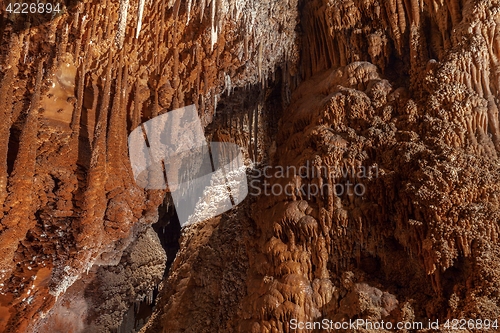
<point>410,85</point>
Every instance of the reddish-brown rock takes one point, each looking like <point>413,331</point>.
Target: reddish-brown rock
<point>397,97</point>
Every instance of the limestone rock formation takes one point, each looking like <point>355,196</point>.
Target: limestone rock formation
<point>72,88</point>
<point>386,112</point>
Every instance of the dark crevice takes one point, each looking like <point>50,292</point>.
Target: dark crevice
<point>13,149</point>
<point>169,231</point>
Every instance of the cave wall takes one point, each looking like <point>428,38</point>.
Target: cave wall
<point>409,87</point>
<point>73,87</point>
<point>409,91</point>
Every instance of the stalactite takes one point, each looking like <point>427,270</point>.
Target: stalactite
<point>221,14</point>
<point>213,26</point>
<point>95,197</point>
<point>203,5</point>
<point>76,117</point>
<point>455,12</point>
<point>140,13</point>
<point>18,205</point>
<point>93,30</point>
<point>78,43</point>
<point>26,47</point>
<point>177,6</point>
<point>107,30</point>
<point>250,130</point>
<point>246,53</point>
<point>175,80</point>
<point>163,32</point>
<point>215,102</point>
<point>188,10</point>
<point>392,12</point>
<point>228,87</point>
<point>401,16</point>
<point>259,61</point>
<point>93,109</point>
<point>114,140</point>
<point>156,40</point>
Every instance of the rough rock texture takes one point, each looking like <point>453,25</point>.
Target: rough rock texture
<point>407,89</point>
<point>413,228</point>
<point>204,290</point>
<point>72,88</point>
<point>99,301</point>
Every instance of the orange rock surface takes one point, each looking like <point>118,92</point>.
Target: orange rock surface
<point>406,90</point>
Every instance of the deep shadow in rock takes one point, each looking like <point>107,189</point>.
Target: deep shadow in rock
<point>169,231</point>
